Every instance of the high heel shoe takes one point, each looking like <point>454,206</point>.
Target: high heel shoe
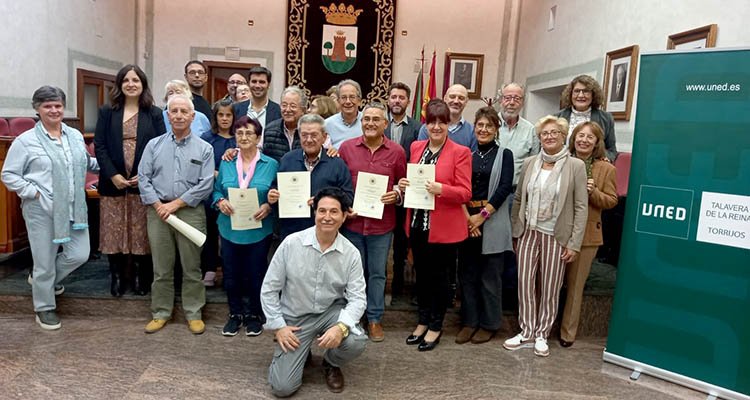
<point>428,346</point>
<point>414,339</point>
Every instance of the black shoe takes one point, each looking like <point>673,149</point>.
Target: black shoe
<point>48,320</point>
<point>414,339</point>
<point>115,269</point>
<point>254,325</point>
<point>565,343</point>
<point>233,325</point>
<point>429,346</point>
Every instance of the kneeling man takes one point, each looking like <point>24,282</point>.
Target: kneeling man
<point>314,291</point>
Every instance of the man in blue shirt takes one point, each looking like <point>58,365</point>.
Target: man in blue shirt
<point>175,174</point>
<point>347,123</point>
<point>459,130</point>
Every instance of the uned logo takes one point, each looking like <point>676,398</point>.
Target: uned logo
<point>664,211</point>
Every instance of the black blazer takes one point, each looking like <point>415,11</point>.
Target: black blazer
<point>273,112</point>
<point>408,134</point>
<point>108,145</point>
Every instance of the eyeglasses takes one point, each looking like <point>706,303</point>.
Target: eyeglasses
<point>289,106</point>
<point>306,136</point>
<point>196,72</point>
<point>482,125</point>
<point>244,134</point>
<point>376,120</point>
<point>581,91</point>
<point>553,132</point>
<point>348,98</point>
<point>512,98</point>
<point>235,82</point>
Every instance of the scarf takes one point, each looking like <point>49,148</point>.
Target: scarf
<point>544,198</point>
<point>576,117</point>
<point>244,182</point>
<point>61,186</point>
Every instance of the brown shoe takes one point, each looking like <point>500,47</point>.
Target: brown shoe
<point>334,377</point>
<point>482,336</point>
<point>375,331</point>
<point>465,334</point>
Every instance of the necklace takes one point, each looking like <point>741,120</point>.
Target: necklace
<point>482,155</point>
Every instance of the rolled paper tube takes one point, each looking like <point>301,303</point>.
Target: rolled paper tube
<point>186,230</point>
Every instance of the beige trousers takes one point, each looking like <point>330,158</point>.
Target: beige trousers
<point>575,278</point>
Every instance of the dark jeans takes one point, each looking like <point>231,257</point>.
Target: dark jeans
<point>400,251</point>
<point>432,262</point>
<point>210,252</point>
<point>481,281</point>
<point>245,267</point>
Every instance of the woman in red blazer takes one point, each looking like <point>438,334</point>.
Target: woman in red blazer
<point>434,235</point>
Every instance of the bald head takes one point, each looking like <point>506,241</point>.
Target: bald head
<point>456,97</point>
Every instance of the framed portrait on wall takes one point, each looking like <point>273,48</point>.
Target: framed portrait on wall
<point>619,81</point>
<point>464,69</point>
<point>698,38</point>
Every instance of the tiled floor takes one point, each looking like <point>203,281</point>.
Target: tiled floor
<point>106,358</point>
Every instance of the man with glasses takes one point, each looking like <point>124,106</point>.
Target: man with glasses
<point>259,106</point>
<point>324,170</point>
<point>516,133</point>
<point>196,77</point>
<point>347,123</point>
<point>234,81</point>
<point>282,135</point>
<point>373,153</point>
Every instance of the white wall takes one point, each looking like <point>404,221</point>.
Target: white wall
<point>46,40</point>
<point>587,29</point>
<point>224,23</point>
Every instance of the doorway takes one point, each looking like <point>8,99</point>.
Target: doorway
<point>218,75</point>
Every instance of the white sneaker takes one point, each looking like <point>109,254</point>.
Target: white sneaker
<point>540,347</point>
<point>517,342</point>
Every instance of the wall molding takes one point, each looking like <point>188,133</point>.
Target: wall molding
<point>541,81</point>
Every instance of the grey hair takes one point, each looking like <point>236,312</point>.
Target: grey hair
<point>47,93</point>
<point>296,90</point>
<point>349,82</point>
<point>178,83</point>
<point>183,97</point>
<point>376,104</point>
<point>520,86</point>
<point>312,118</point>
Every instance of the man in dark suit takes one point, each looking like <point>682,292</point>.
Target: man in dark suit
<point>402,130</point>
<point>259,106</point>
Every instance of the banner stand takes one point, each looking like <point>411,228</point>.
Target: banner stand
<point>712,391</point>
<point>680,307</point>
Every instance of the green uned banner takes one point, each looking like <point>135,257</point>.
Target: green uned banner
<point>682,302</point>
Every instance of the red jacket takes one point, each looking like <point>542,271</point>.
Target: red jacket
<point>453,169</point>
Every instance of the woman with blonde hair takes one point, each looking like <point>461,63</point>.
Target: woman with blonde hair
<point>548,220</point>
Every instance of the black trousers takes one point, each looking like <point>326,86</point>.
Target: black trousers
<point>432,262</point>
<point>400,251</point>
<point>481,279</point>
<point>210,252</point>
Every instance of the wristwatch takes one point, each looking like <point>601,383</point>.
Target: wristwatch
<point>484,213</point>
<point>344,329</point>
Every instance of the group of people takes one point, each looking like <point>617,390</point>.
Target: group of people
<point>506,192</point>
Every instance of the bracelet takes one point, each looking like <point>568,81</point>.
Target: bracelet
<point>484,213</point>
